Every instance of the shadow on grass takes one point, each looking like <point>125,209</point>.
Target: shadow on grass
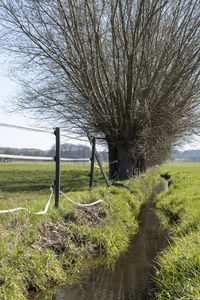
<point>76,180</point>
<point>71,180</point>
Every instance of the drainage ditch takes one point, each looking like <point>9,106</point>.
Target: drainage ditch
<point>131,278</point>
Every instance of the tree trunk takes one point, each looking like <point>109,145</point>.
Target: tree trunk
<point>125,163</point>
<point>113,161</point>
<point>121,163</point>
<point>142,165</point>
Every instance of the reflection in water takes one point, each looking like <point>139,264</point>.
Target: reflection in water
<point>132,276</point>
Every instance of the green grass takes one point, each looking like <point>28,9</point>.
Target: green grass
<point>21,176</point>
<point>24,184</point>
<point>179,273</point>
<point>179,210</point>
<point>41,252</point>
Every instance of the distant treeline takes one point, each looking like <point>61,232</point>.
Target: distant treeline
<point>186,156</point>
<point>67,151</point>
<point>81,151</point>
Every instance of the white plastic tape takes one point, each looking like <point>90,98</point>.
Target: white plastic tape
<point>79,204</point>
<point>11,210</point>
<point>42,212</point>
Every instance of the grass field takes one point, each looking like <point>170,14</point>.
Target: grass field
<point>179,210</point>
<point>41,252</point>
<point>28,176</point>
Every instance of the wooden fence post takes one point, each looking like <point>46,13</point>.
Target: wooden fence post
<point>92,162</point>
<point>57,160</point>
<point>99,162</point>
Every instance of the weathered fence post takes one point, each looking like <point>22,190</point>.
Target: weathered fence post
<point>92,162</point>
<point>99,162</point>
<point>57,160</point>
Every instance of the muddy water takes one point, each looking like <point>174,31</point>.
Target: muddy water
<point>132,275</point>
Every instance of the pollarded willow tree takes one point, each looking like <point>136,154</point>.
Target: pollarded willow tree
<point>125,69</point>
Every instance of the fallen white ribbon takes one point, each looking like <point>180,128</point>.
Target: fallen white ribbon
<point>42,212</point>
<point>11,210</point>
<point>79,204</point>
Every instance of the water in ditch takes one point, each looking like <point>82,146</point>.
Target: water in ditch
<point>131,278</point>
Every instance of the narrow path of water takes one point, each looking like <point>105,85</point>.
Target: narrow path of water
<point>132,275</point>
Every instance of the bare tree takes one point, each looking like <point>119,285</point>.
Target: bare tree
<point>127,70</point>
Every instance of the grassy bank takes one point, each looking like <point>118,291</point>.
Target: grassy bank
<point>179,209</point>
<point>39,252</point>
